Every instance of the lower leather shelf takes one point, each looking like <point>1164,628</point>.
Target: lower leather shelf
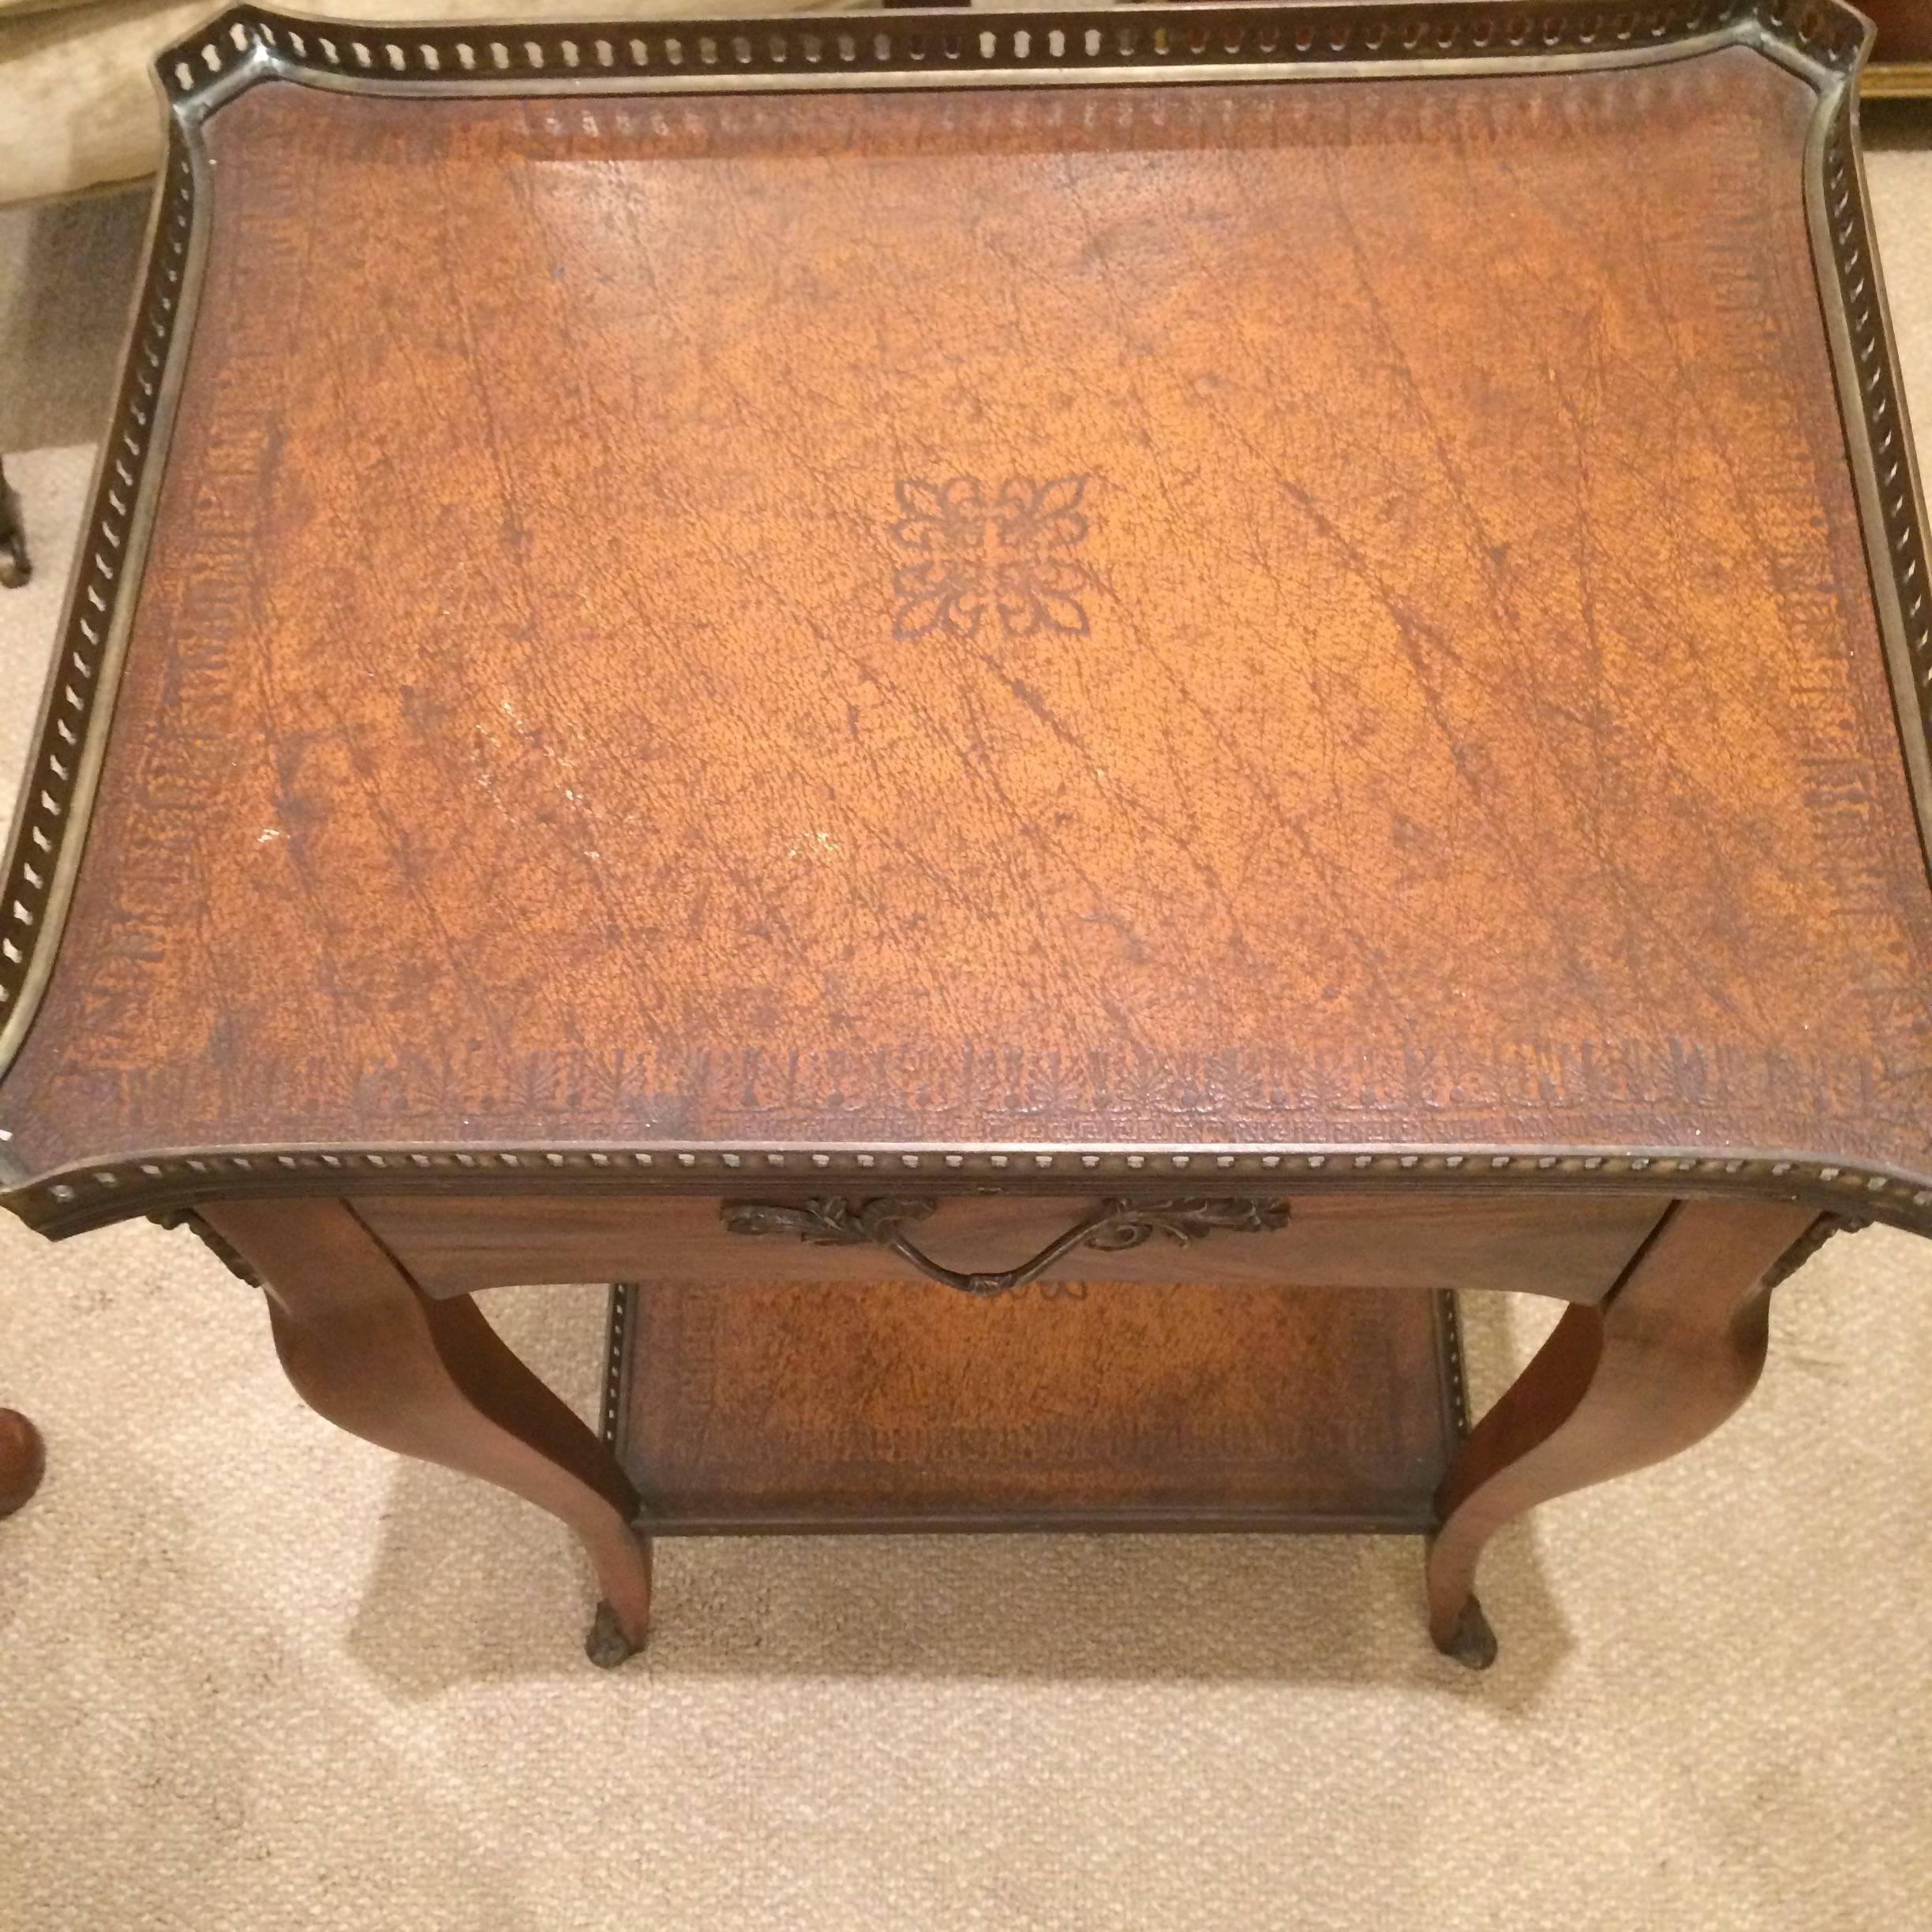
<point>900,1405</point>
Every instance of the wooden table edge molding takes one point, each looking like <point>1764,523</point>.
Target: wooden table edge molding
<point>1669,1348</point>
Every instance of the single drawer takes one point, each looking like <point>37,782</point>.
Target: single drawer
<point>1573,1249</point>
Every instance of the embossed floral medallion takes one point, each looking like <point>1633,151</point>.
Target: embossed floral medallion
<point>1008,552</point>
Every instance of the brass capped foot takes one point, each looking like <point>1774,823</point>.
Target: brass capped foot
<point>607,1646</point>
<point>1471,1643</point>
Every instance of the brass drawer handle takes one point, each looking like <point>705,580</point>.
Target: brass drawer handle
<point>1114,1225</point>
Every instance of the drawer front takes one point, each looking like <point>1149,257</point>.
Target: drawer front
<point>1573,1249</point>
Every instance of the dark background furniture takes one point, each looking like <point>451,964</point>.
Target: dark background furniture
<point>23,1458</point>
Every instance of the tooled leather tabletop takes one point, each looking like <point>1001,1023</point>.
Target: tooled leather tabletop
<point>1220,614</point>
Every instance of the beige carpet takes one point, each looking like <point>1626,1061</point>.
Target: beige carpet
<point>254,1675</point>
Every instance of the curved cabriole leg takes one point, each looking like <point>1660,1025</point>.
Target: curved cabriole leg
<point>366,1348</point>
<point>1669,1354</point>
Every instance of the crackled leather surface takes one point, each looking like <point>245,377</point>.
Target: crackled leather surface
<point>1274,614</point>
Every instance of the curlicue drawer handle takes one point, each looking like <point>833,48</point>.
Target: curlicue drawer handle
<point>1114,1225</point>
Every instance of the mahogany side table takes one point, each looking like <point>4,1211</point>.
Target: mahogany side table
<point>1043,720</point>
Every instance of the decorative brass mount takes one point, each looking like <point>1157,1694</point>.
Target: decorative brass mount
<point>1114,1225</point>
